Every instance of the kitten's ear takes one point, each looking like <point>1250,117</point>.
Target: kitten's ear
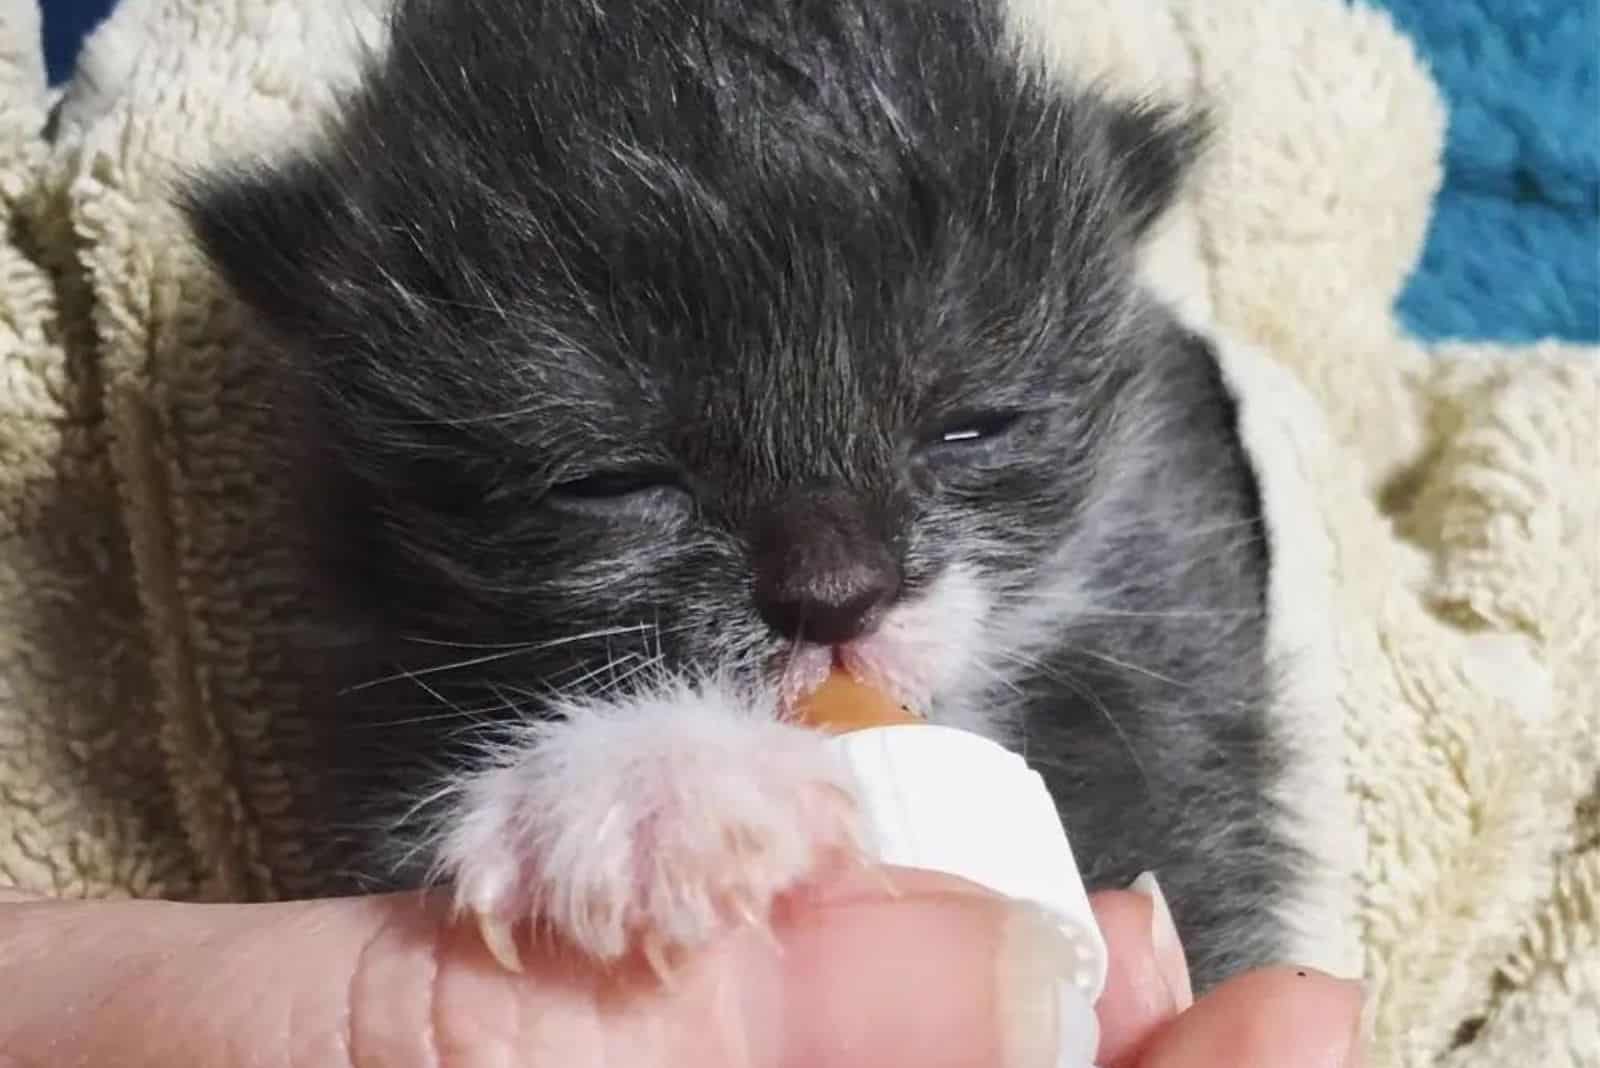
<point>267,233</point>
<point>1154,146</point>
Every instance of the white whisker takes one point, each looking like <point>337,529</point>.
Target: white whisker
<point>501,654</point>
<point>1061,676</point>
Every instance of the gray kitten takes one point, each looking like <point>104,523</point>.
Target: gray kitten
<point>655,356</point>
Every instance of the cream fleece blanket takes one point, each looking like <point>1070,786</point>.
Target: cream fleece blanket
<point>1435,514</point>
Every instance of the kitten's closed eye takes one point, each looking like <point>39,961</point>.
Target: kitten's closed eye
<point>622,486</point>
<point>617,486</point>
<point>971,428</point>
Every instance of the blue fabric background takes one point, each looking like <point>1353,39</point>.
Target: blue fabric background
<point>65,24</point>
<point>1514,251</point>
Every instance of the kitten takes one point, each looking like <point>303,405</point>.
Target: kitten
<point>656,355</point>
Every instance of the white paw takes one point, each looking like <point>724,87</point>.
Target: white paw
<point>647,825</point>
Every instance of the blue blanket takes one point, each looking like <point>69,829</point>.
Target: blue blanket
<point>1514,252</point>
<point>66,22</point>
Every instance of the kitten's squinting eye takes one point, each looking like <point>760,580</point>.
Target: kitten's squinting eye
<point>971,428</point>
<point>619,485</point>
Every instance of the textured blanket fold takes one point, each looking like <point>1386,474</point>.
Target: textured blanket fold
<point>1434,512</point>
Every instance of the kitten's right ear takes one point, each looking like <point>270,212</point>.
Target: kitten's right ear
<point>1155,146</point>
<point>267,233</point>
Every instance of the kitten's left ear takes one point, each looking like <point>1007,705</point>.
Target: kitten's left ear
<point>1154,146</point>
<point>272,233</point>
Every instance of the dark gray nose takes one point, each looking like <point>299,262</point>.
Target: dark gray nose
<point>822,572</point>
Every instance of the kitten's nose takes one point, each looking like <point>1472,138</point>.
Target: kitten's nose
<point>822,573</point>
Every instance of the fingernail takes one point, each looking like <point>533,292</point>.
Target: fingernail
<point>1046,1020</point>
<point>1356,1055</point>
<point>1164,936</point>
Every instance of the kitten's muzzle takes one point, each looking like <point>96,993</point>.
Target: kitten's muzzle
<point>822,573</point>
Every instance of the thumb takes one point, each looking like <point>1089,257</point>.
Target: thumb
<point>936,974</point>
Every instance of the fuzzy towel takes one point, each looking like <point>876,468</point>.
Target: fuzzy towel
<point>1434,514</point>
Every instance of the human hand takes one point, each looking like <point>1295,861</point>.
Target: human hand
<point>936,975</point>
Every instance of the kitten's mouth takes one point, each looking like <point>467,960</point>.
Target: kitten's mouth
<point>920,648</point>
<point>805,666</point>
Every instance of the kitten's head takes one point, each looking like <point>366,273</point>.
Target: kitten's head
<point>741,358</point>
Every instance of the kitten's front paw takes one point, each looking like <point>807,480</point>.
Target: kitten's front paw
<point>648,825</point>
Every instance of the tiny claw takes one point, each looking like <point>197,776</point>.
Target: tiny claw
<point>752,918</point>
<point>745,912</point>
<point>886,883</point>
<point>769,936</point>
<point>501,942</point>
<point>655,955</point>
